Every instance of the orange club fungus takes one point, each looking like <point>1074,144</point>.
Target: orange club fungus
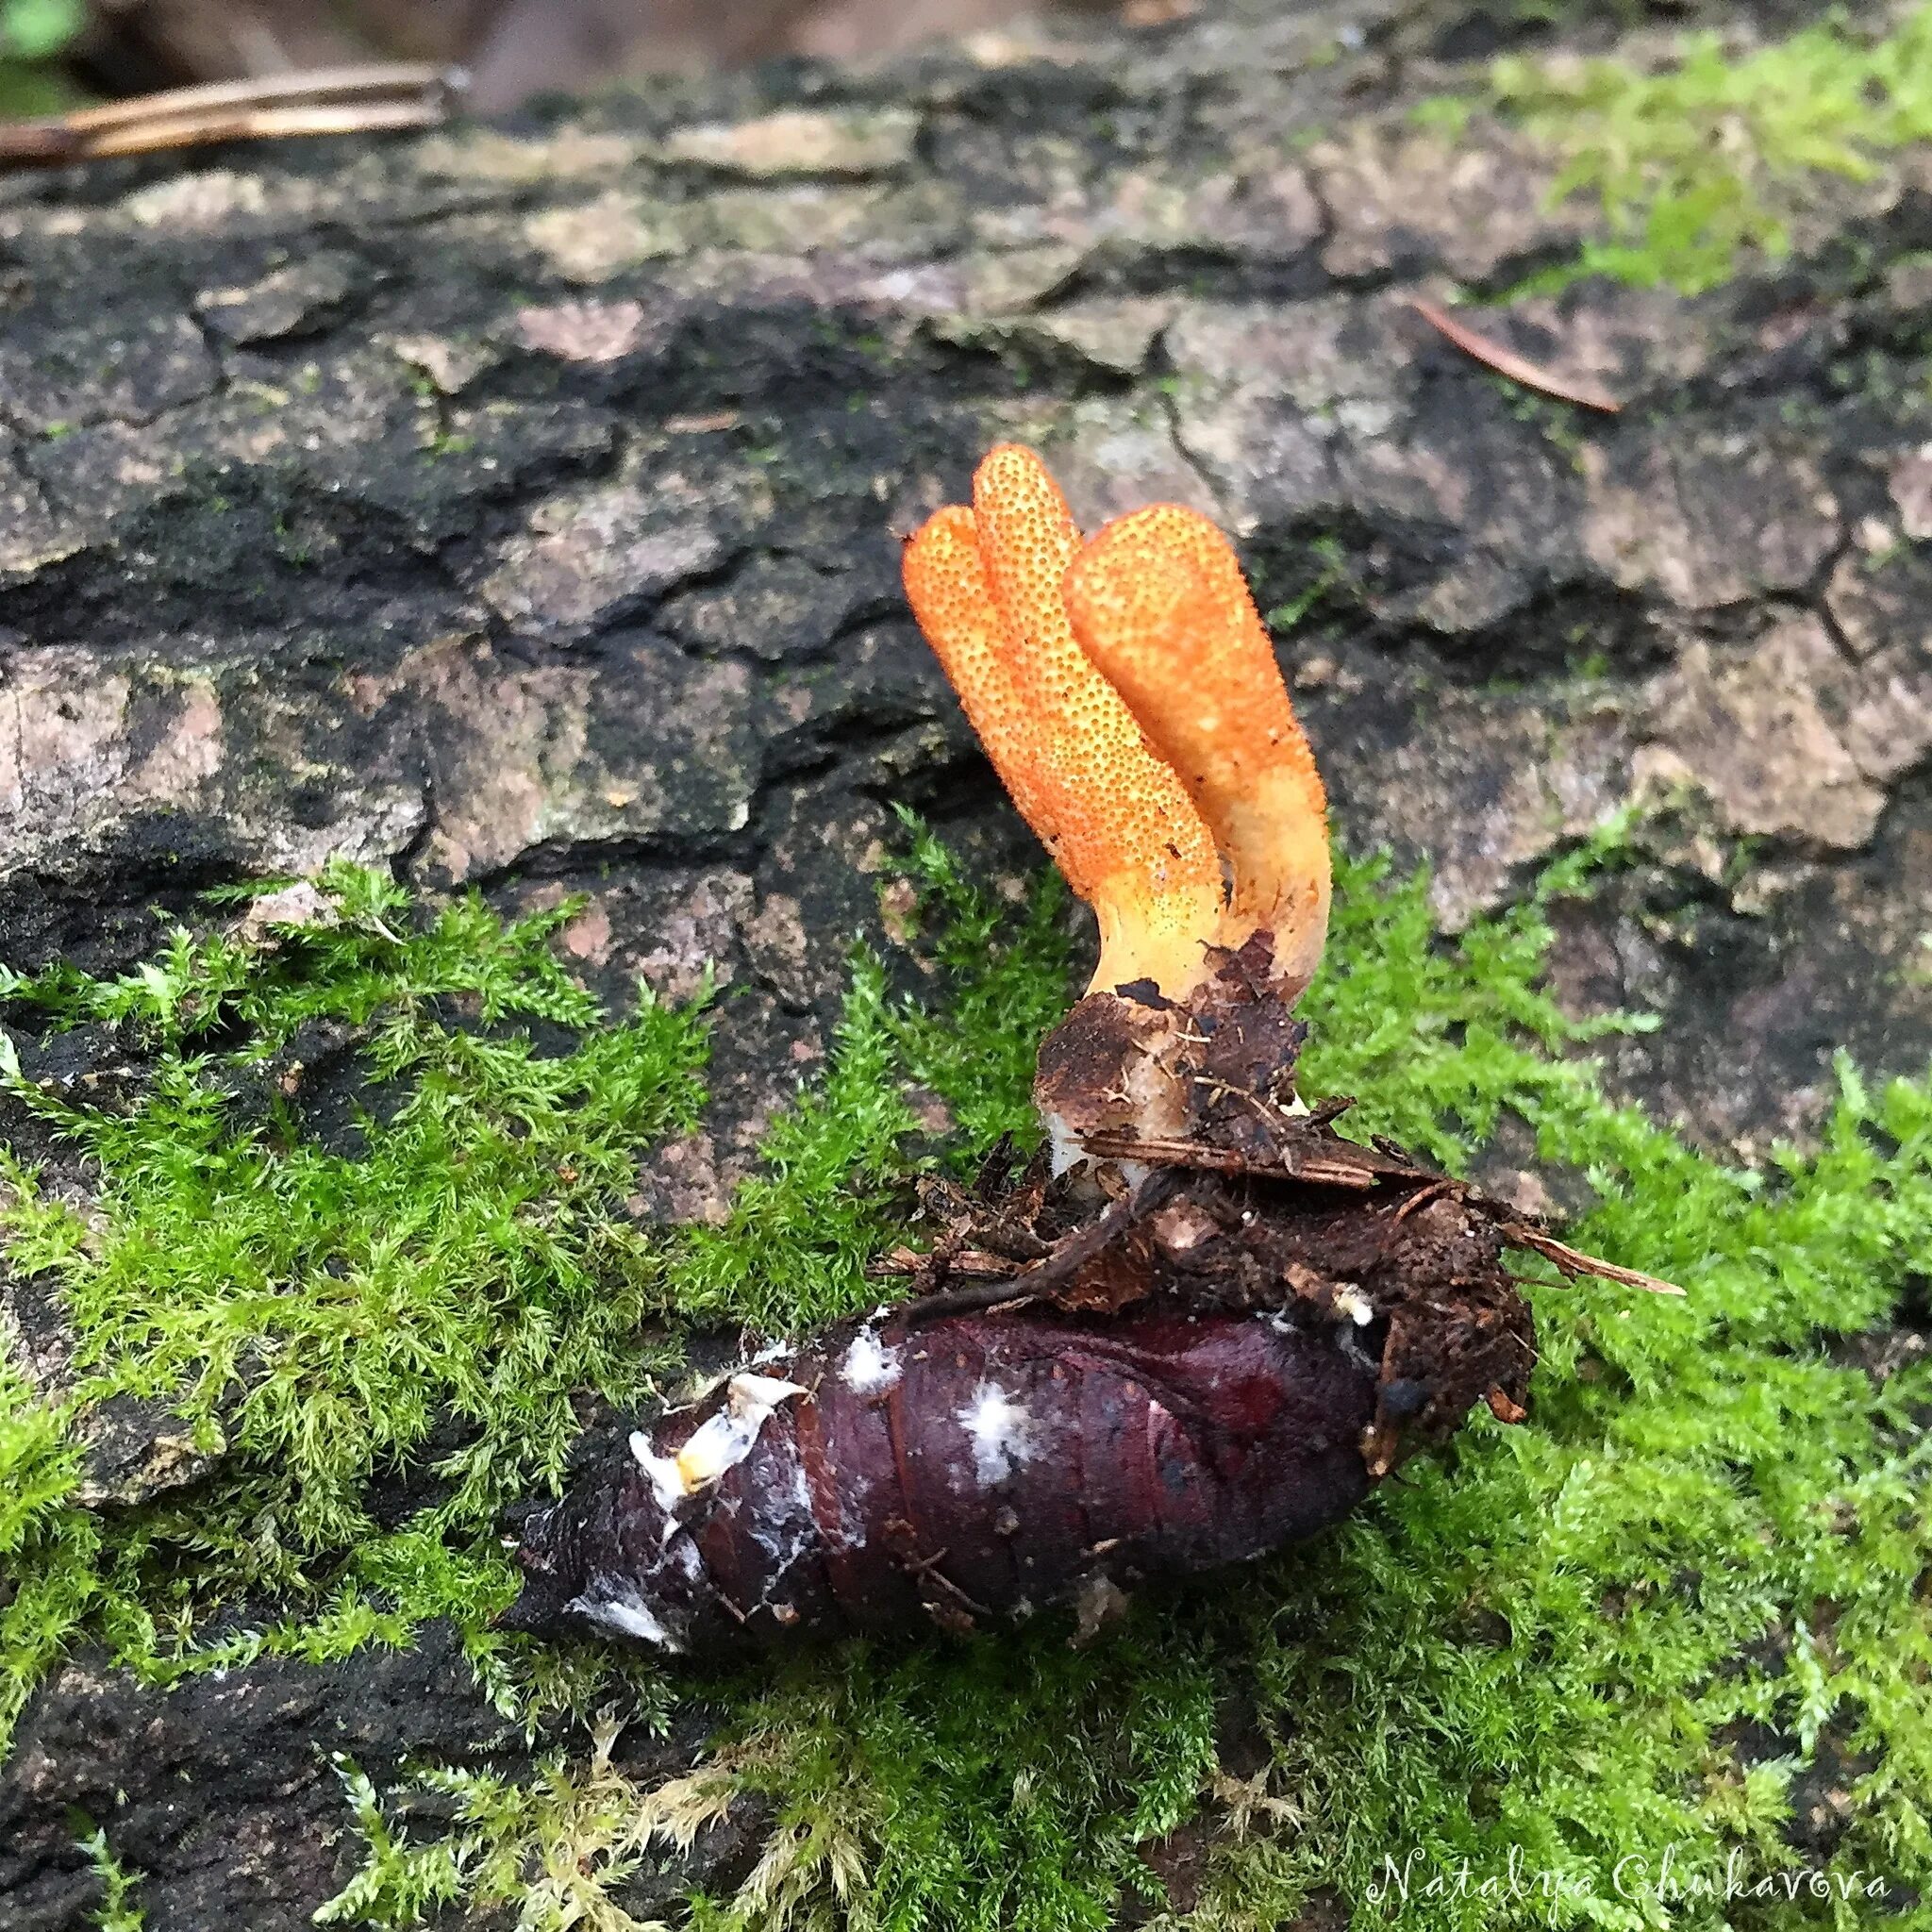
<point>1204,1323</point>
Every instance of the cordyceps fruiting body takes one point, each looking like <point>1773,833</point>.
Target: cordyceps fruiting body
<point>1203,1322</point>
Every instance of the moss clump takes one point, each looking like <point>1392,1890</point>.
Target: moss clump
<point>427,1298</point>
<point>120,1907</point>
<point>1576,1675</point>
<point>1696,164</point>
<point>34,34</point>
<point>1566,1677</point>
<point>831,1187</point>
<point>454,1268</point>
<point>555,1845</point>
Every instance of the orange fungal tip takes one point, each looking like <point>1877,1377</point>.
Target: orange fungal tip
<point>1116,820</point>
<point>946,585</point>
<point>1126,693</point>
<point>1160,605</point>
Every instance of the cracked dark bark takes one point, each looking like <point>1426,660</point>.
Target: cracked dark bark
<point>519,508</point>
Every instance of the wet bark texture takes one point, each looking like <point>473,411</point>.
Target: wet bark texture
<point>516,506</point>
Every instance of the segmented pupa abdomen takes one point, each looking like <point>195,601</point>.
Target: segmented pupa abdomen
<point>969,1469</point>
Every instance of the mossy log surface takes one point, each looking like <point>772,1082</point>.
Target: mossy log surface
<point>519,506</point>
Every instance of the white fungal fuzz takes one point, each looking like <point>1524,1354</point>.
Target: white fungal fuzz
<point>719,1443</point>
<point>666,1484</point>
<point>868,1364</point>
<point>763,1392</point>
<point>1351,1302</point>
<point>782,1524</point>
<point>624,1611</point>
<point>1067,1151</point>
<point>1001,1431</point>
<point>1069,1156</point>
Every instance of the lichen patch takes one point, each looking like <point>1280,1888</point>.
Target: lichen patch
<point>800,142</point>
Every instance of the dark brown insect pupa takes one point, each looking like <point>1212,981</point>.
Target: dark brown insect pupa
<point>1204,1323</point>
<point>970,1467</point>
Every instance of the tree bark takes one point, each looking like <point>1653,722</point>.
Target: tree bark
<point>520,507</point>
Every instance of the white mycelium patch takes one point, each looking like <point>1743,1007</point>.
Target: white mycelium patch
<point>1001,1431</point>
<point>721,1441</point>
<point>1350,1301</point>
<point>869,1365</point>
<point>616,1605</point>
<point>1069,1154</point>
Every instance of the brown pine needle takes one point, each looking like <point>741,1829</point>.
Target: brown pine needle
<point>1506,363</point>
<point>336,100</point>
<point>1572,1262</point>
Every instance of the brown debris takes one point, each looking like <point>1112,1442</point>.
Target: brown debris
<point>1257,1201</point>
<point>345,100</point>
<point>1573,1263</point>
<point>1507,362</point>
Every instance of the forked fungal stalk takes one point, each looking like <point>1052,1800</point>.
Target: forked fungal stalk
<point>1127,694</point>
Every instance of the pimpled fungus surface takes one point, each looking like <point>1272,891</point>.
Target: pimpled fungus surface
<point>1161,608</point>
<point>986,587</point>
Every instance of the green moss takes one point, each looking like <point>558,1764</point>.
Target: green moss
<point>1615,1636</point>
<point>832,1186</point>
<point>47,1550</point>
<point>1697,164</point>
<point>457,1263</point>
<point>553,1846</point>
<point>460,1262</point>
<point>120,1907</point>
<point>1330,564</point>
<point>1596,1652</point>
<point>34,34</point>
